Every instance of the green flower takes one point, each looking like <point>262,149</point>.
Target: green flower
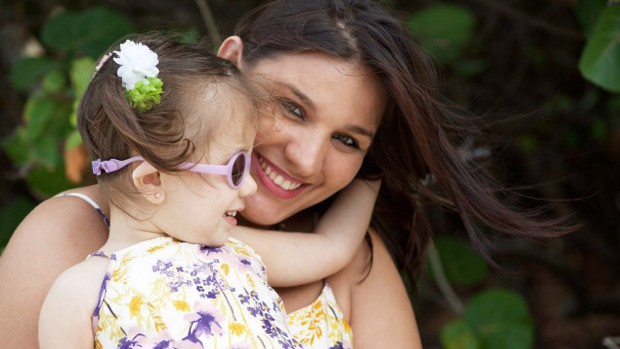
<point>146,94</point>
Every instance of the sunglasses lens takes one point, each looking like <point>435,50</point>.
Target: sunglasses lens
<point>238,170</point>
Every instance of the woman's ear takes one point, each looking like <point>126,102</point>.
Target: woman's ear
<point>146,179</point>
<point>232,50</point>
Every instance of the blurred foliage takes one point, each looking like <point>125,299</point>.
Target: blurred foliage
<point>44,148</point>
<point>494,318</point>
<point>54,83</point>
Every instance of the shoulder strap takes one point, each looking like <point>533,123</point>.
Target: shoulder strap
<point>99,254</point>
<point>91,202</point>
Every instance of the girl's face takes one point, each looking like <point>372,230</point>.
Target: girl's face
<point>327,112</point>
<point>201,208</point>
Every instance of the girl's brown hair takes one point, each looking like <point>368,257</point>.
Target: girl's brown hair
<point>415,142</point>
<point>172,132</point>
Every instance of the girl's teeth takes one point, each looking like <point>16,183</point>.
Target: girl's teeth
<point>277,179</point>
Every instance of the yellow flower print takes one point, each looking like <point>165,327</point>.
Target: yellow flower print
<point>135,306</point>
<point>181,306</point>
<point>237,328</point>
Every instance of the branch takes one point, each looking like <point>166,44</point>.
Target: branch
<point>207,17</point>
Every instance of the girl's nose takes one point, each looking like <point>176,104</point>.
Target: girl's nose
<point>248,187</point>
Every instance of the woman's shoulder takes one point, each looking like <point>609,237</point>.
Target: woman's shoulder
<point>66,215</point>
<point>57,234</point>
<point>371,286</point>
<point>65,227</point>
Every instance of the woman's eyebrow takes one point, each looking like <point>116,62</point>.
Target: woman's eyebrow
<point>302,96</point>
<point>308,102</point>
<point>361,131</point>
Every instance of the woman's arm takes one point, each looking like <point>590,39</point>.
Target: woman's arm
<point>298,258</point>
<point>376,302</point>
<point>57,234</point>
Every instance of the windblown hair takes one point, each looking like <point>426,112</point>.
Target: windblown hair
<point>200,91</point>
<point>416,140</point>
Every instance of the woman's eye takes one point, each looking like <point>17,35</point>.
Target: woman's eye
<point>292,108</point>
<point>347,140</point>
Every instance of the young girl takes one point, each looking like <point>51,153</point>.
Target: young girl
<point>171,128</point>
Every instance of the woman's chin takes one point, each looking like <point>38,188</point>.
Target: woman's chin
<point>258,212</point>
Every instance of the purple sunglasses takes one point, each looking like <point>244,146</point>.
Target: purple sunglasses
<point>235,170</point>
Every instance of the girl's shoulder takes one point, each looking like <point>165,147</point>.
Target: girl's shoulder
<point>76,290</point>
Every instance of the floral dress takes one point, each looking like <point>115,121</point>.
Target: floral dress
<point>163,293</point>
<point>321,325</point>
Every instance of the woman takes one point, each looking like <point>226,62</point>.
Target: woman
<point>356,97</point>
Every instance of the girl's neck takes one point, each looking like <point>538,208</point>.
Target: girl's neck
<point>126,231</point>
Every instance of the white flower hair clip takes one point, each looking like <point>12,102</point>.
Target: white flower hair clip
<point>138,72</point>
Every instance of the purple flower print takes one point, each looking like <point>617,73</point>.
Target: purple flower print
<point>205,322</point>
<point>136,340</point>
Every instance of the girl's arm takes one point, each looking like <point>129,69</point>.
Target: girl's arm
<point>65,320</point>
<point>295,258</point>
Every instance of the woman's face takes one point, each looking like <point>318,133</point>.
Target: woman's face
<point>327,112</point>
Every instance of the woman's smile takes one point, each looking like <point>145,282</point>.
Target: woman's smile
<point>274,179</point>
<point>323,122</point>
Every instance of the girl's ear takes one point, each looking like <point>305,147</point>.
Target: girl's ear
<point>232,50</point>
<point>146,179</point>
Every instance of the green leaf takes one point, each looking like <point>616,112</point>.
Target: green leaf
<point>587,12</point>
<point>44,182</point>
<point>54,81</point>
<point>458,335</point>
<point>11,215</point>
<point>45,151</point>
<point>462,265</point>
<point>90,32</point>
<point>190,36</point>
<point>443,30</point>
<point>37,113</point>
<point>500,319</point>
<point>81,73</point>
<point>16,146</point>
<point>29,70</point>
<point>73,140</point>
<point>600,60</point>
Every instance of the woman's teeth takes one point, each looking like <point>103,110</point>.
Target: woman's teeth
<point>276,178</point>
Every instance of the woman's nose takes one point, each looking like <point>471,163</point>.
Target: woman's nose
<point>306,152</point>
<point>248,187</point>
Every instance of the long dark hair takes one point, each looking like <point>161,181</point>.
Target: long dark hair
<point>415,143</point>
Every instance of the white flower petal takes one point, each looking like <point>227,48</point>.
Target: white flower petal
<point>136,62</point>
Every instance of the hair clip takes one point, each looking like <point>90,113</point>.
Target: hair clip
<point>138,72</point>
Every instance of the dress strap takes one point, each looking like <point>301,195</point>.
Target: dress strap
<point>98,254</point>
<point>91,202</point>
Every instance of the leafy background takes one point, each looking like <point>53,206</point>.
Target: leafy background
<point>545,74</point>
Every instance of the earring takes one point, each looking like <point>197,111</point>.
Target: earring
<point>157,196</point>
